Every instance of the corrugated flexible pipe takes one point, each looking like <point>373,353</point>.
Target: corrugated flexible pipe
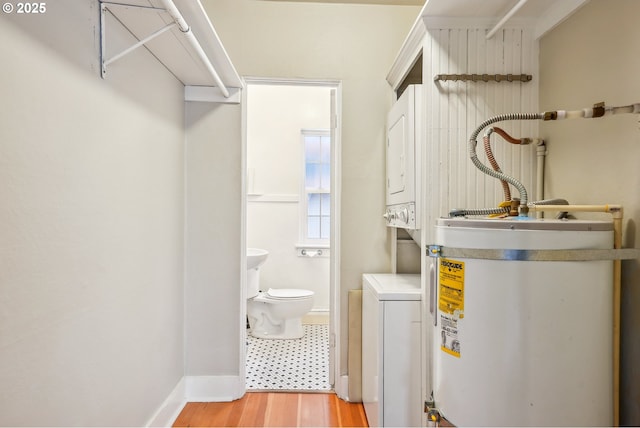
<point>492,160</point>
<point>598,110</point>
<point>494,163</point>
<point>500,175</point>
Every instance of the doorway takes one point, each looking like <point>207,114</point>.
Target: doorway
<point>291,209</point>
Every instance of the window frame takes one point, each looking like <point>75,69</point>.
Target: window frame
<point>303,239</point>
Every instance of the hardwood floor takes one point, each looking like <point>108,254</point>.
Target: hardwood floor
<point>275,409</point>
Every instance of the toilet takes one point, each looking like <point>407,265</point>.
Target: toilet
<point>276,313</point>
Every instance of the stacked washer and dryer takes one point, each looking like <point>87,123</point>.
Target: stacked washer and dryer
<point>392,355</point>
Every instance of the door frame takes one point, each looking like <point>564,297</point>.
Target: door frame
<point>334,261</point>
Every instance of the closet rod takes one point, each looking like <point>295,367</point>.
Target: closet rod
<point>483,77</point>
<point>186,30</point>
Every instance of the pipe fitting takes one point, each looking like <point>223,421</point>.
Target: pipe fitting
<point>523,211</point>
<point>514,208</point>
<point>598,109</point>
<point>434,416</point>
<point>457,213</point>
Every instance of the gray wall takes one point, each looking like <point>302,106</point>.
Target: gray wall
<point>91,225</point>
<point>352,43</point>
<point>595,56</point>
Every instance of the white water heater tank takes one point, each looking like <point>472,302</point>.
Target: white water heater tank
<point>521,342</point>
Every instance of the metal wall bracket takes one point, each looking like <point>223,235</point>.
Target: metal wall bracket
<point>433,251</point>
<point>104,5</point>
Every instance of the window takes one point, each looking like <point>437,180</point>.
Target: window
<point>316,193</point>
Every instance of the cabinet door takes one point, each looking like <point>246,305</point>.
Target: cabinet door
<point>372,317</point>
<point>402,373</point>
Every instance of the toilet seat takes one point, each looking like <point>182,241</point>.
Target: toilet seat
<point>287,293</point>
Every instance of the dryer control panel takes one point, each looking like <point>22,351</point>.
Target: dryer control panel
<point>401,215</point>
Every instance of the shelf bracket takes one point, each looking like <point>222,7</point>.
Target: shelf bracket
<point>103,39</point>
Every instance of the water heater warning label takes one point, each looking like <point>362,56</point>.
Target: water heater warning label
<point>451,304</point>
<point>449,331</point>
<point>451,290</point>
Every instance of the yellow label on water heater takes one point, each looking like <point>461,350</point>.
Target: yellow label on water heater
<point>451,304</point>
<point>451,287</point>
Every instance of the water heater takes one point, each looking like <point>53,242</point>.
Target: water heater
<point>520,342</point>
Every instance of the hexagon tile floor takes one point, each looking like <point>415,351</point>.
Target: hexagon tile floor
<point>296,364</point>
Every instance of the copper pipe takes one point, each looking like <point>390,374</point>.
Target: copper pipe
<point>495,166</point>
<point>492,160</point>
<point>506,136</point>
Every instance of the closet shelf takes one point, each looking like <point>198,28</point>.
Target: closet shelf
<point>180,35</point>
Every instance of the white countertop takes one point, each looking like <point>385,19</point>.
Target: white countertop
<point>391,286</point>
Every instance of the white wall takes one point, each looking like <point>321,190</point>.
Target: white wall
<point>275,116</point>
<point>596,161</point>
<point>91,225</point>
<point>213,239</point>
<point>352,43</point>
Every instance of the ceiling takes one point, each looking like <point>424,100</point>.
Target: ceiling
<point>384,2</point>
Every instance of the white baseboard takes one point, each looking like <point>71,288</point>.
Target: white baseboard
<point>341,387</point>
<point>214,388</point>
<point>316,317</point>
<point>171,408</point>
<point>197,389</point>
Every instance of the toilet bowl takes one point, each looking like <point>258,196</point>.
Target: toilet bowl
<point>277,313</point>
